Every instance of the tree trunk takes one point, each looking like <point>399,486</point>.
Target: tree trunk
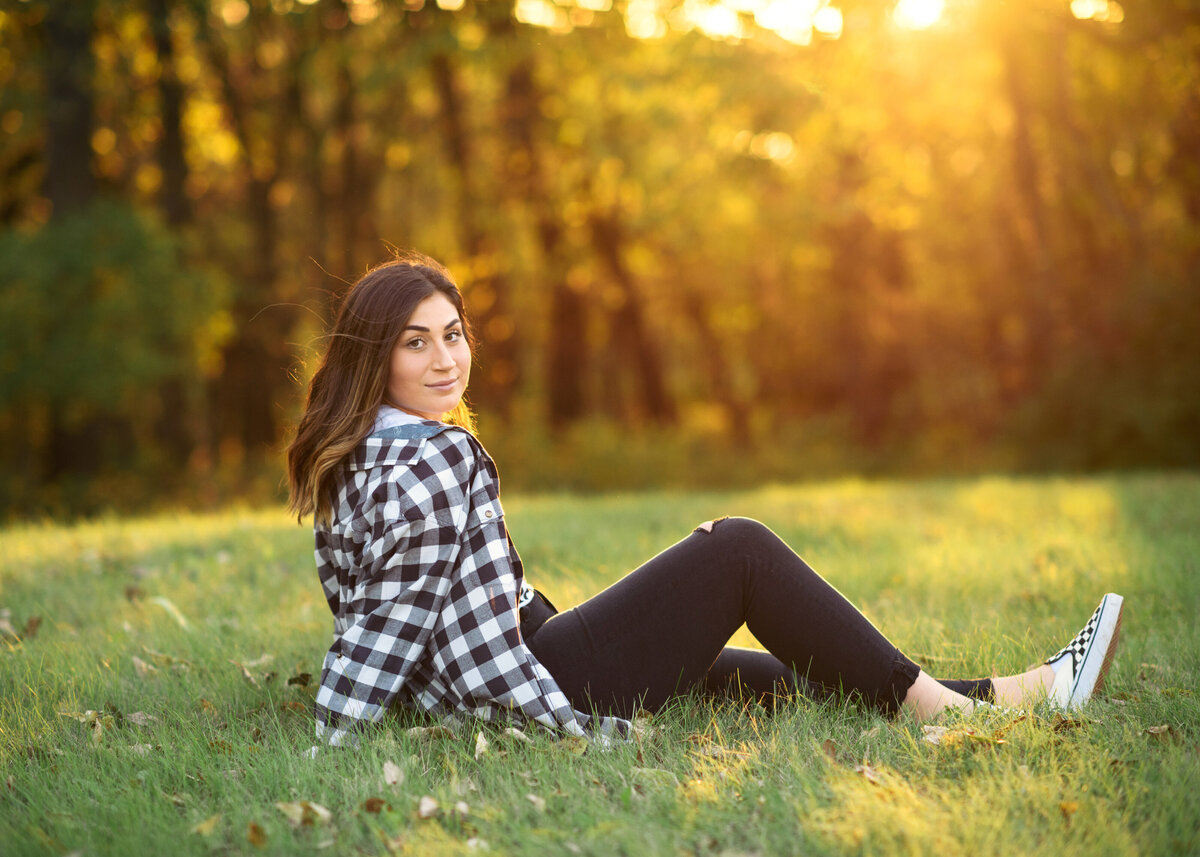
<point>1039,272</point>
<point>566,356</point>
<point>869,276</point>
<point>69,183</point>
<point>177,430</point>
<point>633,344</point>
<point>174,199</point>
<point>716,366</point>
<point>70,109</point>
<point>255,361</point>
<point>349,203</point>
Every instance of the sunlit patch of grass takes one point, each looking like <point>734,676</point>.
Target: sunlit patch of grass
<point>189,637</point>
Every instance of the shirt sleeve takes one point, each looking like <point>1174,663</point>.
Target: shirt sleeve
<point>479,656</point>
<point>478,653</point>
<point>397,602</point>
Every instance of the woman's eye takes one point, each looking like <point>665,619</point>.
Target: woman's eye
<point>454,336</point>
<point>415,343</point>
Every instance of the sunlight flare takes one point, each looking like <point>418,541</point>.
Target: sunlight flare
<point>1107,11</point>
<point>715,20</point>
<point>828,22</point>
<point>918,14</point>
<point>643,20</point>
<point>539,13</point>
<point>789,19</point>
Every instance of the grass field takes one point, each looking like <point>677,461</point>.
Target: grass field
<point>153,696</point>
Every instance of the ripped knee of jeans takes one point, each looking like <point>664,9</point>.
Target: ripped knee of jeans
<point>707,526</point>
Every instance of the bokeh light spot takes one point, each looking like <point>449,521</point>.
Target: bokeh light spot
<point>918,14</point>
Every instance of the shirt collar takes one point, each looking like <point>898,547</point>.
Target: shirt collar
<point>389,417</point>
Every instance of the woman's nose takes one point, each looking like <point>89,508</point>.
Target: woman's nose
<point>442,358</point>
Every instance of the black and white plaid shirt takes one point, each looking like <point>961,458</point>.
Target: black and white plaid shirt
<point>423,582</point>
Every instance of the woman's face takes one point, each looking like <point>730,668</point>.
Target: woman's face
<point>431,361</point>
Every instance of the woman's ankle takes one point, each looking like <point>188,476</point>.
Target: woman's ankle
<point>927,699</point>
<point>1027,688</point>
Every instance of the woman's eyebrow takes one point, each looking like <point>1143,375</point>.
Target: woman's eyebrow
<point>449,325</point>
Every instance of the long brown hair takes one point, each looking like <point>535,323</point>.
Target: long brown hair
<point>348,387</point>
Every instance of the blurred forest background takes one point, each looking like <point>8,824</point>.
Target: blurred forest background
<point>704,241</point>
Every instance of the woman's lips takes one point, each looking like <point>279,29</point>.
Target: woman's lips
<point>444,386</point>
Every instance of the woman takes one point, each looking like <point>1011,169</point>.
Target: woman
<point>431,608</point>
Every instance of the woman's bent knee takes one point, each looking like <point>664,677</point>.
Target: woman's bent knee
<point>745,530</point>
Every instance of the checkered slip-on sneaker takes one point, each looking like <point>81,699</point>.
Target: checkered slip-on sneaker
<point>1081,665</point>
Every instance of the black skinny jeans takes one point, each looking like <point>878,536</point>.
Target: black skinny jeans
<point>662,630</point>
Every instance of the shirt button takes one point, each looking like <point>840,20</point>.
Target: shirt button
<point>488,513</point>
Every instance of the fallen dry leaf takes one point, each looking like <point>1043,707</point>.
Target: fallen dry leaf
<point>870,774</point>
<point>1001,731</point>
<point>6,627</point>
<point>945,737</point>
<point>256,835</point>
<point>1162,733</point>
<point>142,668</point>
<point>539,803</point>
<point>428,733</point>
<point>933,734</point>
<point>654,777</point>
<point>293,811</point>
<point>31,627</point>
<point>517,735</point>
<point>134,593</point>
<point>373,805</point>
<point>461,810</point>
<point>305,813</point>
<point>260,661</point>
<point>1065,724</point>
<point>394,844</point>
<point>245,673</point>
<point>829,748</point>
<point>300,680</point>
<point>477,844</point>
<point>1068,808</point>
<point>642,727</point>
<point>427,807</point>
<point>141,749</point>
<point>572,744</point>
<point>481,746</point>
<point>141,718</point>
<point>96,721</point>
<point>392,774</point>
<point>206,827</point>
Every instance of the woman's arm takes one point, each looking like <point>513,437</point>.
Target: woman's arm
<point>396,608</point>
